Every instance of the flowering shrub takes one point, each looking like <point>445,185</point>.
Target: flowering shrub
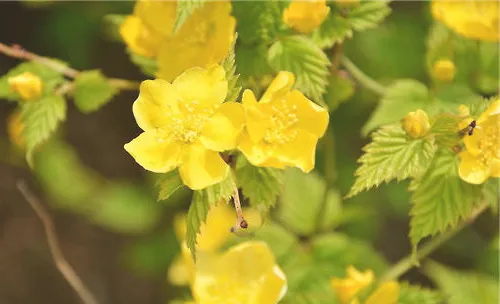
<point>238,106</point>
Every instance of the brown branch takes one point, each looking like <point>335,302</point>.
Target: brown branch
<point>18,52</point>
<point>62,265</point>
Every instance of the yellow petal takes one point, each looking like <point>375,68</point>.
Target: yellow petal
<point>178,273</point>
<point>256,153</point>
<point>224,128</point>
<point>472,142</point>
<point>471,169</point>
<point>28,85</point>
<point>300,152</point>
<point>311,117</point>
<point>139,37</point>
<point>154,153</point>
<point>495,168</point>
<point>159,15</point>
<point>256,120</point>
<point>206,87</point>
<point>280,86</point>
<point>386,293</point>
<point>15,129</point>
<point>347,288</point>
<point>202,168</point>
<point>493,109</point>
<point>216,230</point>
<point>157,98</point>
<point>305,16</point>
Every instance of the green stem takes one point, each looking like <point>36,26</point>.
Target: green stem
<point>329,172</point>
<point>409,262</point>
<point>362,78</point>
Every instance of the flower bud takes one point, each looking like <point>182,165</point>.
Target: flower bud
<point>416,124</point>
<point>28,85</point>
<point>305,16</point>
<point>444,70</point>
<point>15,129</point>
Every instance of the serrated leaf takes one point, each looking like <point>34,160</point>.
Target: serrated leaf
<point>200,204</point>
<point>401,97</point>
<point>40,120</point>
<point>168,183</point>
<point>333,30</point>
<point>147,65</point>
<point>464,287</point>
<point>340,89</point>
<point>92,91</point>
<point>440,199</point>
<point>299,55</point>
<point>259,184</point>
<point>185,9</point>
<point>229,65</point>
<point>252,61</point>
<point>444,128</point>
<point>391,155</point>
<point>368,14</point>
<point>50,78</point>
<point>304,207</point>
<point>414,294</point>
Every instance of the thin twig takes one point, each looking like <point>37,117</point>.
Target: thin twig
<point>64,267</point>
<point>240,220</point>
<point>362,78</point>
<point>18,52</point>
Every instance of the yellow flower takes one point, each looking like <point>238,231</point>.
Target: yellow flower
<point>444,70</point>
<point>245,274</point>
<point>15,129</point>
<point>204,39</point>
<point>305,16</point>
<point>481,158</point>
<point>186,125</point>
<point>147,29</point>
<point>473,18</point>
<point>416,124</point>
<point>283,128</point>
<point>28,85</point>
<point>386,293</point>
<point>346,289</point>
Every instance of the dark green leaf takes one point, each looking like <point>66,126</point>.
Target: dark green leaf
<point>333,30</point>
<point>229,65</point>
<point>414,294</point>
<point>340,89</point>
<point>168,183</point>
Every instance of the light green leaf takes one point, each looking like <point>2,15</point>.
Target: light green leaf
<point>299,55</point>
<point>444,128</point>
<point>340,89</point>
<point>391,155</point>
<point>368,14</point>
<point>200,204</point>
<point>50,78</point>
<point>440,199</point>
<point>147,65</point>
<point>333,30</point>
<point>463,287</point>
<point>305,208</point>
<point>92,91</point>
<point>229,65</point>
<point>401,97</point>
<point>40,120</point>
<point>168,183</point>
<point>414,294</point>
<point>260,185</point>
<point>185,9</point>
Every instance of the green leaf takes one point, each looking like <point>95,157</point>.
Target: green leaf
<point>401,97</point>
<point>252,61</point>
<point>491,193</point>
<point>260,185</point>
<point>368,14</point>
<point>414,294</point>
<point>299,55</point>
<point>444,128</point>
<point>440,198</point>
<point>50,78</point>
<point>147,65</point>
<point>463,287</point>
<point>40,120</point>
<point>168,183</point>
<point>340,89</point>
<point>439,45</point>
<point>200,204</point>
<point>111,24</point>
<point>391,155</point>
<point>185,9</point>
<point>305,208</point>
<point>92,91</point>
<point>333,30</point>
<point>229,65</point>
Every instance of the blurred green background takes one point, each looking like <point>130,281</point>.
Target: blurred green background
<point>112,230</point>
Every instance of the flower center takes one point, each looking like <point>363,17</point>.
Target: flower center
<point>490,143</point>
<point>283,118</point>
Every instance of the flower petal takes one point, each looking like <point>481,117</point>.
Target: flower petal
<point>471,169</point>
<point>280,86</point>
<point>311,117</point>
<point>139,37</point>
<point>493,109</point>
<point>386,293</point>
<point>156,99</point>
<point>207,87</point>
<point>256,121</point>
<point>472,142</point>
<point>202,168</point>
<point>159,15</point>
<point>153,153</point>
<point>299,152</point>
<point>256,153</point>
<point>224,128</point>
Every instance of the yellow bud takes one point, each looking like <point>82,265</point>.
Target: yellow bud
<point>15,129</point>
<point>347,3</point>
<point>416,124</point>
<point>28,85</point>
<point>444,70</point>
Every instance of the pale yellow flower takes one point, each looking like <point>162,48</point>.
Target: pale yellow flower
<point>28,85</point>
<point>15,129</point>
<point>416,124</point>
<point>245,274</point>
<point>186,125</point>
<point>305,16</point>
<point>204,39</point>
<point>470,18</point>
<point>283,128</point>
<point>481,158</point>
<point>347,288</point>
<point>444,70</point>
